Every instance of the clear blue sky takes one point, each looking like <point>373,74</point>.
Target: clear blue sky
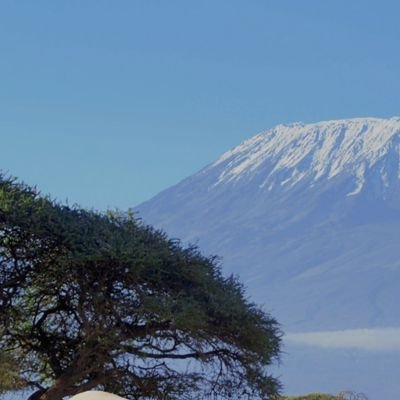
<point>108,102</point>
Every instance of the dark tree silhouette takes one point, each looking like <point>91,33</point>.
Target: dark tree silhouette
<point>99,300</point>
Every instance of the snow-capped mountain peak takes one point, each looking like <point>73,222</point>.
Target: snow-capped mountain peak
<point>286,154</point>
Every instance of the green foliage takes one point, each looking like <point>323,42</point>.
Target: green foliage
<point>313,396</point>
<point>9,374</point>
<point>100,300</point>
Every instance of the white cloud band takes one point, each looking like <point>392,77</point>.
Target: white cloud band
<point>384,339</point>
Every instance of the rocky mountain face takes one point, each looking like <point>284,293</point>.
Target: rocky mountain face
<point>308,215</point>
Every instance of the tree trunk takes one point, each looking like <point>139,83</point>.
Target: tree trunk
<point>61,387</point>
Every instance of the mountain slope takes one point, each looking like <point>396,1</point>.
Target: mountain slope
<point>307,214</point>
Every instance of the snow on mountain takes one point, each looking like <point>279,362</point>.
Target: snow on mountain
<point>308,215</point>
<point>314,152</point>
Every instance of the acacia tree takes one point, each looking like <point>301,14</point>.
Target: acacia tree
<point>93,300</point>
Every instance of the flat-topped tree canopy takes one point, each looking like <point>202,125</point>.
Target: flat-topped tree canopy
<point>100,300</point>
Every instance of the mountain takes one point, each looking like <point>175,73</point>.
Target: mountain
<point>308,215</point>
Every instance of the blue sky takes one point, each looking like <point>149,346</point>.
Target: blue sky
<point>105,103</point>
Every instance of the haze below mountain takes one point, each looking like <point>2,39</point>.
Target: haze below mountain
<point>308,215</point>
